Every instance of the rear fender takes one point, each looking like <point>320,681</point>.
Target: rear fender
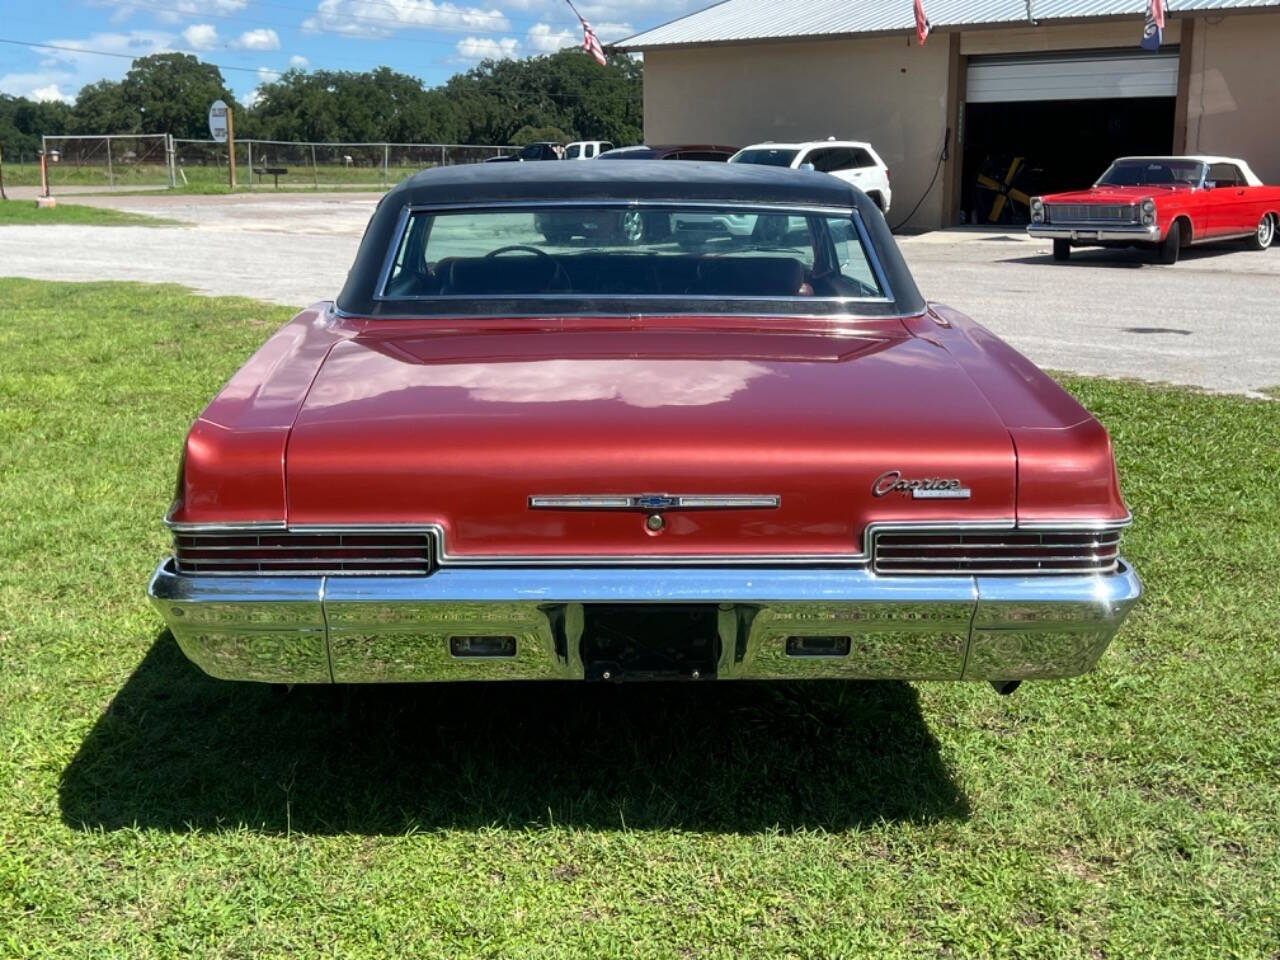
<point>1066,467</point>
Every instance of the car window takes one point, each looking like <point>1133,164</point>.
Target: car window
<point>605,145</point>
<point>1225,175</point>
<point>769,156</point>
<point>1159,171</point>
<point>615,251</point>
<point>703,155</point>
<point>820,159</point>
<point>862,158</point>
<point>571,152</point>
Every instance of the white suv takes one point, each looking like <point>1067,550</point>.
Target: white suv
<point>851,160</point>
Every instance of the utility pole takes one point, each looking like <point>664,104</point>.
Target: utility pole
<point>231,147</point>
<point>2,193</point>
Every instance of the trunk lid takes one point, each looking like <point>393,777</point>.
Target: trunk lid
<point>460,428</point>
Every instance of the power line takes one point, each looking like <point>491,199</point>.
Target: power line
<point>129,56</point>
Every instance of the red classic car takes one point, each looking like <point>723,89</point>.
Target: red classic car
<point>496,458</point>
<point>1162,203</point>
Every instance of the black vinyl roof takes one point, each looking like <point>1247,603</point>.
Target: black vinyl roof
<point>621,180</point>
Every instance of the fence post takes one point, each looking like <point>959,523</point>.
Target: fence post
<point>315,171</point>
<point>170,152</point>
<point>442,149</point>
<point>111,177</point>
<point>249,146</point>
<point>386,161</point>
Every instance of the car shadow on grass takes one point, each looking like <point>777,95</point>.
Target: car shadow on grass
<point>179,751</point>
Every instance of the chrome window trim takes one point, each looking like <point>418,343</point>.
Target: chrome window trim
<point>443,558</point>
<point>856,318</point>
<point>852,213</point>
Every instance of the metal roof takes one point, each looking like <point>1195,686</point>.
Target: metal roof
<point>734,21</point>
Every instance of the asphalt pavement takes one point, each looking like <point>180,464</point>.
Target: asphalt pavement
<point>1208,321</point>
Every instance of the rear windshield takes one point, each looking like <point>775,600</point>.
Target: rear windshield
<point>1142,173</point>
<point>769,156</point>
<point>570,252</point>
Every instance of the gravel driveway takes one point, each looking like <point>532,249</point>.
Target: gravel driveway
<point>1208,321</point>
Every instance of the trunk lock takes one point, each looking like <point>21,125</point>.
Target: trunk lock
<point>654,522</point>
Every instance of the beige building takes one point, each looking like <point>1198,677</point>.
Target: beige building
<point>991,109</point>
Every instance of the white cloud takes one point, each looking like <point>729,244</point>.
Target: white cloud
<point>542,39</point>
<point>487,48</point>
<point>266,74</point>
<point>51,92</point>
<point>173,11</point>
<point>381,18</point>
<point>70,69</point>
<point>200,36</point>
<point>299,62</point>
<point>602,14</point>
<point>263,38</point>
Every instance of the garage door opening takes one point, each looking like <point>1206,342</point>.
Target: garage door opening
<point>1040,124</point>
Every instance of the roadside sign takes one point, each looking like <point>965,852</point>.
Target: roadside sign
<point>218,121</point>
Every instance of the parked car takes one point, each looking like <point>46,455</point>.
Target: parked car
<point>853,161</point>
<point>586,149</point>
<point>543,150</point>
<point>1163,204</point>
<point>849,160</point>
<point>509,463</point>
<point>626,226</point>
<point>672,151</point>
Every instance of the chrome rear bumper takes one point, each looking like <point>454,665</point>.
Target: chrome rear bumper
<point>367,629</point>
<point>1096,233</point>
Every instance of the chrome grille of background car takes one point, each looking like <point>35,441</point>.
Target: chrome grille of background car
<point>1012,552</point>
<point>1089,212</point>
<point>285,554</point>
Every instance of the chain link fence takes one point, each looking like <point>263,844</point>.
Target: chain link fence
<point>109,161</point>
<point>157,160</point>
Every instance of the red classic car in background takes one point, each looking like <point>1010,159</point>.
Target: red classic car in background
<point>1162,203</point>
<point>495,457</point>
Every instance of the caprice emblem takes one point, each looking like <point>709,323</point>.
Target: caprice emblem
<point>930,488</point>
<point>652,502</point>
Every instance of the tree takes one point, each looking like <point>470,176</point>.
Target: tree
<point>171,93</point>
<point>23,122</point>
<point>101,108</point>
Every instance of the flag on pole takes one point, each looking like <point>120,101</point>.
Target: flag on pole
<point>1153,28</point>
<point>591,43</point>
<point>922,24</point>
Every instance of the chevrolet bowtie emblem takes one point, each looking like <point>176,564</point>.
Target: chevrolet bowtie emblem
<point>652,502</point>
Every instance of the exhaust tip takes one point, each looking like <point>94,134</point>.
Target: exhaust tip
<point>1005,687</point>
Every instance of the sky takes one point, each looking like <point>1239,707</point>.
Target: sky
<point>254,40</point>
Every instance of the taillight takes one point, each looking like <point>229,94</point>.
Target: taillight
<point>886,174</point>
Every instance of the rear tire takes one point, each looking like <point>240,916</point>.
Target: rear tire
<point>1265,235</point>
<point>1171,246</point>
<point>1061,250</point>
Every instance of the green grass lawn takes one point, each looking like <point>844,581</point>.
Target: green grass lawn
<point>148,811</point>
<point>25,212</point>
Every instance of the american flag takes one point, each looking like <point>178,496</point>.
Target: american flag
<point>1153,28</point>
<point>590,42</point>
<point>922,24</point>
